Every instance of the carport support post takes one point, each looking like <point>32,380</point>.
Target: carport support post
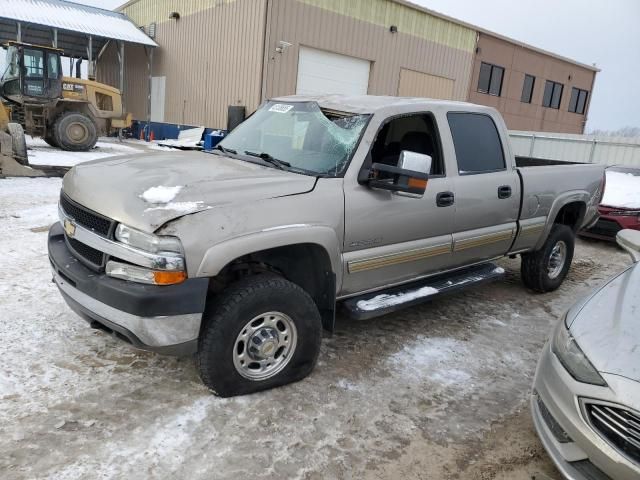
<point>90,70</point>
<point>150,56</point>
<point>19,32</point>
<point>121,82</point>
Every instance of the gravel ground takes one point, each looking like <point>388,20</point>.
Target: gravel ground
<point>438,391</point>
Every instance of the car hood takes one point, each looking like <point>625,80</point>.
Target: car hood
<point>147,191</point>
<point>606,325</point>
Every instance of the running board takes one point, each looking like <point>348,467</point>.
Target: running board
<point>382,302</point>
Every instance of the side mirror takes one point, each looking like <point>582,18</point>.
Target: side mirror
<point>630,241</point>
<point>409,178</point>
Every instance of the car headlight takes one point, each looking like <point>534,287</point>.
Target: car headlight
<point>148,241</point>
<point>572,358</point>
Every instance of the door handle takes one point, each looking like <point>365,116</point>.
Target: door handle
<point>445,199</point>
<point>504,191</point>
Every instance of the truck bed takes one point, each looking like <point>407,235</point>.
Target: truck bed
<point>541,162</point>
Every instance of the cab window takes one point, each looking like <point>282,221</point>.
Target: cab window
<point>413,133</point>
<point>477,143</point>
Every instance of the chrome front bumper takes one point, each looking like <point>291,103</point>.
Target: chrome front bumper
<point>149,333</point>
<point>165,319</point>
<point>586,456</point>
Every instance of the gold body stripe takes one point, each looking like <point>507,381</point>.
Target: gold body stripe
<point>531,229</point>
<point>397,258</point>
<point>482,240</point>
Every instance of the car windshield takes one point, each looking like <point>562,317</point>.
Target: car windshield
<point>298,136</point>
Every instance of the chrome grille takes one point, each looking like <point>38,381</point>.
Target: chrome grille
<point>618,425</point>
<point>90,220</point>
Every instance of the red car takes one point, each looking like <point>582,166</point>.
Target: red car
<point>620,206</point>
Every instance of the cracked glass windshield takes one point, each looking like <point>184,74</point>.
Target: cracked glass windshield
<point>297,136</point>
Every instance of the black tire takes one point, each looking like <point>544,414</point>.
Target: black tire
<point>51,141</point>
<point>536,267</point>
<point>75,132</point>
<point>228,317</point>
<point>18,143</point>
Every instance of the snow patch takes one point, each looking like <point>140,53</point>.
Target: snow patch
<point>160,194</point>
<point>498,270</point>
<point>387,300</point>
<point>622,190</point>
<point>180,207</point>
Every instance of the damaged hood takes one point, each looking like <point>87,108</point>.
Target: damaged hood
<point>607,327</point>
<point>147,191</point>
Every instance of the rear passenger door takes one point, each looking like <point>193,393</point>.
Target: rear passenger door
<point>487,190</point>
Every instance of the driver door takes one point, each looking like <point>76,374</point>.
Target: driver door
<point>390,238</point>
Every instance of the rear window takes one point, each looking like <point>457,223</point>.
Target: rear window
<point>477,143</point>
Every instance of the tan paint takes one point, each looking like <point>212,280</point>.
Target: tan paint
<point>408,19</point>
<point>300,23</point>
<point>144,12</point>
<point>418,84</point>
<point>518,61</point>
<point>211,59</point>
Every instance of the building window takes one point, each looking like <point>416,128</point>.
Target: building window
<point>552,94</point>
<point>578,101</point>
<point>490,79</point>
<point>527,88</point>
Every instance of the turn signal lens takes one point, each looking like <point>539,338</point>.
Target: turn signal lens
<point>169,278</point>
<point>417,183</point>
<point>133,273</point>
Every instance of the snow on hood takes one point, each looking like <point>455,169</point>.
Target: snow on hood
<point>622,190</point>
<point>147,191</point>
<point>606,325</point>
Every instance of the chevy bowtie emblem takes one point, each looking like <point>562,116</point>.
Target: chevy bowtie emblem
<point>69,227</point>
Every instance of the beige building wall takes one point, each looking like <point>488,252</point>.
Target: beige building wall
<point>361,28</point>
<point>211,58</point>
<point>418,84</point>
<point>518,61</point>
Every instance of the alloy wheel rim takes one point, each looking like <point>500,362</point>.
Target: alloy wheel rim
<point>557,259</point>
<point>265,346</point>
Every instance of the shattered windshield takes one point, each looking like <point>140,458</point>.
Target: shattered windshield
<point>298,136</point>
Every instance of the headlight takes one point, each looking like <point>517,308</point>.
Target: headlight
<point>133,273</point>
<point>148,241</point>
<point>572,357</point>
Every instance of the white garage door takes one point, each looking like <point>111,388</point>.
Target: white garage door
<point>321,72</point>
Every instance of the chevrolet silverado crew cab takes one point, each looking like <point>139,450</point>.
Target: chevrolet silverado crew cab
<point>243,255</point>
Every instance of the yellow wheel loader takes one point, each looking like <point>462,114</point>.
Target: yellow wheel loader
<point>14,160</point>
<point>68,113</point>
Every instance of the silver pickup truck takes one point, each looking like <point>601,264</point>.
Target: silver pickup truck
<point>241,256</point>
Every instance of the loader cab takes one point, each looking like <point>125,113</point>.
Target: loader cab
<point>33,73</point>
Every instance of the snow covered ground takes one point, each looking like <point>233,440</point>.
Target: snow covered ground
<point>436,391</point>
<point>40,153</point>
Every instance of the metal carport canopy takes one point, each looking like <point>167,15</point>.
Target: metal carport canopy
<point>41,21</point>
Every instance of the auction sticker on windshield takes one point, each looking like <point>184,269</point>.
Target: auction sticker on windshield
<point>280,108</point>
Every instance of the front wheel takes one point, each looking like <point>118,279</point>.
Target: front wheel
<point>75,132</point>
<point>262,332</point>
<point>544,270</point>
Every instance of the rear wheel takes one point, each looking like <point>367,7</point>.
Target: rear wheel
<point>75,132</point>
<point>18,143</point>
<point>262,332</point>
<point>544,270</point>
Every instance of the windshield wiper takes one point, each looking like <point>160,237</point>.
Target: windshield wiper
<point>225,150</point>
<point>281,164</point>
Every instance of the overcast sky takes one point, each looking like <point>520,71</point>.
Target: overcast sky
<point>604,32</point>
